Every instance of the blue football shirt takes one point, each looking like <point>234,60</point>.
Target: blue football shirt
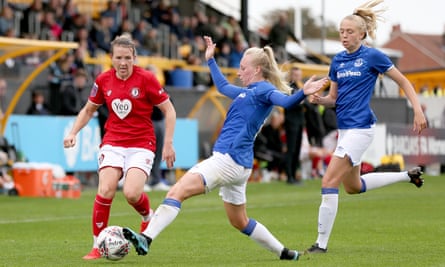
<point>246,114</point>
<point>356,74</point>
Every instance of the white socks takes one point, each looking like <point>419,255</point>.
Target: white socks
<point>259,233</point>
<point>375,180</point>
<point>164,215</point>
<point>326,217</point>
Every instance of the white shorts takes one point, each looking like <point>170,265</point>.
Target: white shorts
<point>354,142</point>
<point>126,158</point>
<point>221,171</point>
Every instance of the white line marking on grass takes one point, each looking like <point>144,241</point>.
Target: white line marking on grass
<point>186,210</point>
<point>54,219</point>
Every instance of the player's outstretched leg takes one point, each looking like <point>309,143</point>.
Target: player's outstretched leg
<point>140,242</point>
<point>414,174</point>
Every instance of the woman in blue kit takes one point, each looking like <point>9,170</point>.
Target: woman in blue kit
<point>353,75</point>
<point>231,163</point>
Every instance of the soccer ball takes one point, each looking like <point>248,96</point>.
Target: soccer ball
<point>112,243</point>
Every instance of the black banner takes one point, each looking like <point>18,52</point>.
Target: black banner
<point>424,149</point>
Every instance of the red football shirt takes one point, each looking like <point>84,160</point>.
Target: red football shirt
<point>130,104</point>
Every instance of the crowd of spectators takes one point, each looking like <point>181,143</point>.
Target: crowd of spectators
<point>149,22</point>
<point>158,28</point>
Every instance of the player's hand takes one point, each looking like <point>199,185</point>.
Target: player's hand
<point>168,155</point>
<point>210,50</point>
<point>314,98</point>
<point>69,141</point>
<point>312,86</point>
<point>420,122</point>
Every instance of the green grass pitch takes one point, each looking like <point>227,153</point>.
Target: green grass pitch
<point>399,225</point>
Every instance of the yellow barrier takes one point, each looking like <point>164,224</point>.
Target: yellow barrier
<point>14,47</point>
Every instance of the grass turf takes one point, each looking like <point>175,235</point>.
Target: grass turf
<point>398,225</point>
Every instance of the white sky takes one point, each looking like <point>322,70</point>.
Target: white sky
<point>422,16</point>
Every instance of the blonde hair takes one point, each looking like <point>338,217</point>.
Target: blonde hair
<point>124,40</point>
<point>265,59</point>
<point>366,18</point>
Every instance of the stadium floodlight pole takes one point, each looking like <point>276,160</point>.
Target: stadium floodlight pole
<point>244,17</point>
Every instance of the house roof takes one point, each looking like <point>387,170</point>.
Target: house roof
<point>420,51</point>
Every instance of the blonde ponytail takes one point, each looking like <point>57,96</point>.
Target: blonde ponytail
<point>367,17</point>
<point>265,59</point>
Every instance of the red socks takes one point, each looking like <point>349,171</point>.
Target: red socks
<point>102,207</point>
<point>142,206</point>
<point>101,214</point>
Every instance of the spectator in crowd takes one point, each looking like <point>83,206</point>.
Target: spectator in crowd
<point>81,36</point>
<point>70,13</point>
<point>6,20</point>
<point>279,34</point>
<point>269,146</point>
<point>75,23</point>
<point>204,28</point>
<point>231,25</point>
<point>188,26</point>
<point>78,56</point>
<point>127,26</point>
<point>236,53</point>
<point>161,13</point>
<point>138,34</point>
<point>114,12</point>
<point>313,159</point>
<point>293,125</point>
<point>38,105</point>
<point>31,16</point>
<point>56,7</point>
<point>225,38</point>
<point>223,55</point>
<point>102,33</point>
<point>142,9</point>
<point>51,30</point>
<point>201,79</point>
<point>72,97</point>
<point>59,74</point>
<point>151,43</point>
<point>314,123</point>
<point>176,26</point>
<point>239,37</point>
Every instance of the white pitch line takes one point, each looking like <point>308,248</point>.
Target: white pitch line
<point>186,210</point>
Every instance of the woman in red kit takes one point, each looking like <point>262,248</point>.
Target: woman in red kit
<point>127,149</point>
